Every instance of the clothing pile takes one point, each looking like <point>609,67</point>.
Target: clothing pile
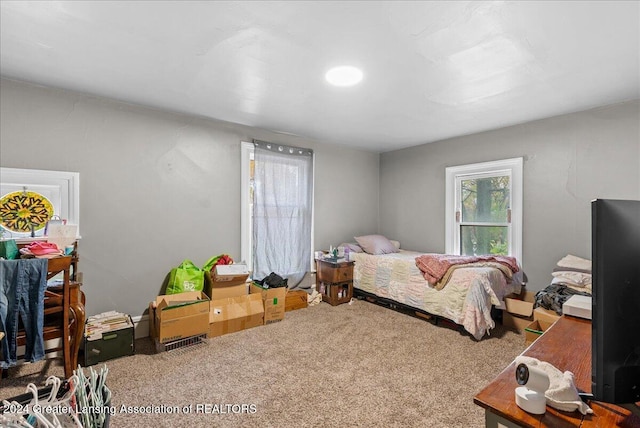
<point>273,280</point>
<point>43,250</point>
<point>571,276</point>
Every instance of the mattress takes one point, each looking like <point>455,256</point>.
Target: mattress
<point>466,299</point>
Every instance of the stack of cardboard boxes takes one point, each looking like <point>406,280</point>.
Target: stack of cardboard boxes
<point>232,307</point>
<point>520,315</point>
<point>228,304</point>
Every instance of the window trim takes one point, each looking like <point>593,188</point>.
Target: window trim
<point>452,174</point>
<point>246,150</point>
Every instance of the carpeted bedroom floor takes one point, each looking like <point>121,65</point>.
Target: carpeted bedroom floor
<point>349,365</point>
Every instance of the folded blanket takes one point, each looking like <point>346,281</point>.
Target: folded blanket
<point>584,289</point>
<point>435,266</point>
<point>506,271</point>
<point>575,262</point>
<point>562,393</point>
<point>568,269</point>
<point>578,279</point>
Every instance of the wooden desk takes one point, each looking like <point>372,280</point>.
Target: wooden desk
<point>566,345</point>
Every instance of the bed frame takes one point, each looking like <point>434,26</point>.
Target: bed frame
<point>408,310</point>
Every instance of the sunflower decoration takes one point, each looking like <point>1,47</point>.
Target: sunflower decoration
<point>24,211</point>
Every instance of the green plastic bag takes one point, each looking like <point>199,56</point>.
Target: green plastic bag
<point>9,249</point>
<point>186,277</point>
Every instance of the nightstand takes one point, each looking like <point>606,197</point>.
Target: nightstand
<point>334,280</point>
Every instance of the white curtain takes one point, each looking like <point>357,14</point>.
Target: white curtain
<point>282,208</point>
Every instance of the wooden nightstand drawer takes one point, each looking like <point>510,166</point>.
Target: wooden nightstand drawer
<point>327,272</point>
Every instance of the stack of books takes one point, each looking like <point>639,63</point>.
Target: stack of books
<point>97,325</point>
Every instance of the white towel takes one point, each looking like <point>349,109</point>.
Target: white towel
<point>562,393</point>
<point>314,298</point>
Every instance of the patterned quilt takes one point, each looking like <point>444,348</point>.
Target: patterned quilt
<point>466,299</point>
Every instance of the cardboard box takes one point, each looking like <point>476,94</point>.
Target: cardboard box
<point>235,314</point>
<point>219,292</point>
<point>518,311</point>
<point>515,322</point>
<point>520,304</point>
<point>533,331</point>
<point>212,285</point>
<point>178,316</point>
<point>230,273</point>
<point>297,299</point>
<point>545,317</point>
<point>274,302</point>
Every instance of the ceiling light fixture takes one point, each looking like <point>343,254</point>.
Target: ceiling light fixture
<point>344,75</point>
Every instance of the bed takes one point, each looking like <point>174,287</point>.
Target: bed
<point>466,299</point>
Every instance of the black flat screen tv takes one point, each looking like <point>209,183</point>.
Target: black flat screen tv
<point>615,352</point>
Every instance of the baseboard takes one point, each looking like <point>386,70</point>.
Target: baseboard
<point>48,344</point>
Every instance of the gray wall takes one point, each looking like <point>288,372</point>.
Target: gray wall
<point>569,160</point>
<point>158,187</point>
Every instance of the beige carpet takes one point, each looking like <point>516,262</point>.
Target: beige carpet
<point>349,365</point>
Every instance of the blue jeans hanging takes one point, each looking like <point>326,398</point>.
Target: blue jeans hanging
<point>22,285</point>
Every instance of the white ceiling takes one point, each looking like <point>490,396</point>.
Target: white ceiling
<point>432,70</point>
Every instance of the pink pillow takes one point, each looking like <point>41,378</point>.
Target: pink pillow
<point>376,244</point>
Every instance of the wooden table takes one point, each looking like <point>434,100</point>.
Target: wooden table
<point>566,345</point>
<point>334,280</point>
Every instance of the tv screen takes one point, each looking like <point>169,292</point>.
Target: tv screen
<point>616,301</point>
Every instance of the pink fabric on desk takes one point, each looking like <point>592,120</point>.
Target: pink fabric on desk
<point>41,250</point>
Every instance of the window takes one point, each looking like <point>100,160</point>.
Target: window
<point>277,206</point>
<point>29,198</point>
<point>484,208</point>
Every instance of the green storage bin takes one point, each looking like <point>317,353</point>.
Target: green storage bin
<point>112,344</point>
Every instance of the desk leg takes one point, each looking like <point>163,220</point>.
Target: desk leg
<point>79,316</point>
<point>491,420</point>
